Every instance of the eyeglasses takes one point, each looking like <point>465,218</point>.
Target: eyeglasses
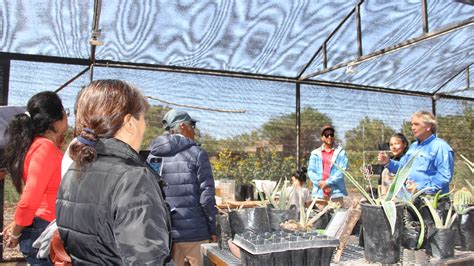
<point>327,135</point>
<point>192,125</point>
<point>67,111</point>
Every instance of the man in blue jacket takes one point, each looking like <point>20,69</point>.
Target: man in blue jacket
<point>189,188</point>
<point>328,181</point>
<point>434,166</point>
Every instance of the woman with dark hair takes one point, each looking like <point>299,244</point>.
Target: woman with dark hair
<point>298,194</point>
<point>110,209</point>
<point>33,159</point>
<point>398,147</point>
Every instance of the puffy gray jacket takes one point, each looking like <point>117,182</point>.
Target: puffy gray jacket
<point>189,188</point>
<point>112,212</point>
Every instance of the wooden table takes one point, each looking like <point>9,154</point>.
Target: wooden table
<point>212,255</point>
<point>233,204</point>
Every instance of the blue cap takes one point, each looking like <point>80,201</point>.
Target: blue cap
<point>174,117</point>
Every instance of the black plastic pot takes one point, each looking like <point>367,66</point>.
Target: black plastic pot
<point>465,225</point>
<point>318,256</point>
<point>297,257</point>
<point>281,258</point>
<point>410,235</point>
<point>379,243</point>
<point>277,217</point>
<point>254,220</point>
<point>223,231</point>
<point>255,260</point>
<point>244,192</point>
<point>440,242</point>
<point>323,221</point>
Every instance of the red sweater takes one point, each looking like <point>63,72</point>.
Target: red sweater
<point>41,176</point>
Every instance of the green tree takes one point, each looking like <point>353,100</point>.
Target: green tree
<point>368,135</point>
<point>244,167</point>
<point>282,130</point>
<point>458,131</point>
<point>154,126</point>
<point>362,143</point>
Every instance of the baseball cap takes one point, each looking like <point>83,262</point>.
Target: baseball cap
<point>174,117</point>
<point>327,127</point>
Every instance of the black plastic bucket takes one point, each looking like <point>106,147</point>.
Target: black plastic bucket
<point>440,242</point>
<point>379,243</point>
<point>465,225</point>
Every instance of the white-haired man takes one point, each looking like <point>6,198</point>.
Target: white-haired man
<point>435,162</point>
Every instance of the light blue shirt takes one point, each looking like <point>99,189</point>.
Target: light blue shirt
<point>433,167</point>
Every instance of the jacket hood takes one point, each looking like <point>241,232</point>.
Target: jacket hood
<point>170,145</point>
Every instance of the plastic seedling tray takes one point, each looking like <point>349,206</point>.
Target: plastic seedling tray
<point>280,241</point>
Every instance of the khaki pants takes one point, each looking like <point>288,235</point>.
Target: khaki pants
<point>190,252</point>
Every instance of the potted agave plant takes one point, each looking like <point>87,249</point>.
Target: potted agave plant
<point>308,217</point>
<point>441,237</point>
<point>278,207</point>
<point>382,218</point>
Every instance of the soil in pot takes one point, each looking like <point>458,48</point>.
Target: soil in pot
<point>440,242</point>
<point>380,245</point>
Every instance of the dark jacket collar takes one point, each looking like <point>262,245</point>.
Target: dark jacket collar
<point>117,148</point>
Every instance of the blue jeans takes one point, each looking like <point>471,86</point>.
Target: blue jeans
<point>28,236</point>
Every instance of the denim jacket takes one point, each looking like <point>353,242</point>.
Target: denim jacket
<point>336,177</point>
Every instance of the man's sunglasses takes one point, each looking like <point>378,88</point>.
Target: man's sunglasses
<point>327,135</point>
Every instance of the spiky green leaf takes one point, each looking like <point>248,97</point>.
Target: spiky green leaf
<point>400,178</point>
<point>437,220</point>
<point>422,223</point>
<point>390,211</point>
<point>356,184</point>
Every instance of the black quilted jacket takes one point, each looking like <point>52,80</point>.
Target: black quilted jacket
<point>112,212</point>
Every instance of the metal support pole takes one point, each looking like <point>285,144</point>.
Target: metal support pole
<point>4,83</point>
<point>71,80</point>
<point>408,43</point>
<point>433,104</point>
<point>325,56</point>
<point>94,42</point>
<point>468,77</point>
<point>298,125</point>
<point>424,14</point>
<point>4,80</point>
<point>359,32</point>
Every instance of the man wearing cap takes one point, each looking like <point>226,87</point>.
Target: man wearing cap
<point>434,166</point>
<point>189,188</point>
<point>328,181</point>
